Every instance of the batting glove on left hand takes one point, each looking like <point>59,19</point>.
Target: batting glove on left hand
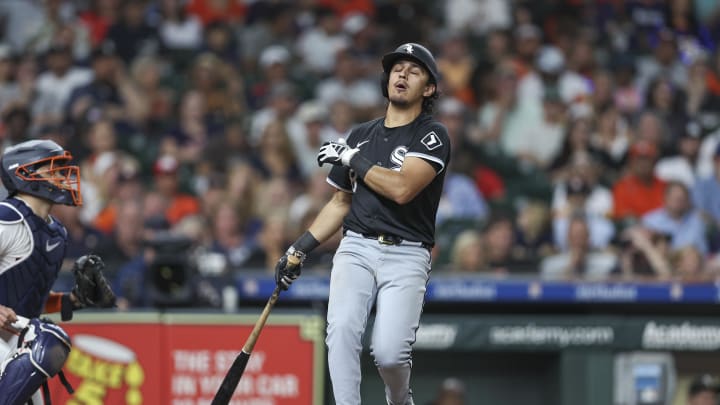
<point>287,270</point>
<point>336,153</point>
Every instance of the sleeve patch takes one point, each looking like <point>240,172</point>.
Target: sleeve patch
<point>431,141</point>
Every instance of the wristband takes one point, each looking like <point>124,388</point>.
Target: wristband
<point>66,307</point>
<point>306,242</point>
<point>361,165</point>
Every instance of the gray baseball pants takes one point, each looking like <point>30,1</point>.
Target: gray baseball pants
<point>394,278</point>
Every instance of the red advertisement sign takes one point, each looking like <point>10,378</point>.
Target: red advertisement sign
<point>183,364</point>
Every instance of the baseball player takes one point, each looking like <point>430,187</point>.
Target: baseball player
<point>38,174</point>
<point>388,178</point>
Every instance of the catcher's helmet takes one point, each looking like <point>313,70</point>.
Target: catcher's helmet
<point>411,51</point>
<point>58,181</point>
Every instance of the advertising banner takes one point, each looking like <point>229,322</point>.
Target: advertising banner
<point>181,360</point>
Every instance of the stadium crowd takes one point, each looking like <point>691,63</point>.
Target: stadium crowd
<point>586,135</point>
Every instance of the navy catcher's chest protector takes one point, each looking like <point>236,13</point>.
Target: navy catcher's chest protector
<point>25,286</point>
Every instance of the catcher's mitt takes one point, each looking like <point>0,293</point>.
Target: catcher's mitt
<point>91,289</point>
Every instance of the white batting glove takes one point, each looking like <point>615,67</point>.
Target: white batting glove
<point>336,153</point>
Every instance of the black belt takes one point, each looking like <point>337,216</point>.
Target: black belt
<point>387,239</point>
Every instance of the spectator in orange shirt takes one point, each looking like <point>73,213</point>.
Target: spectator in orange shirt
<point>639,191</point>
<point>167,183</point>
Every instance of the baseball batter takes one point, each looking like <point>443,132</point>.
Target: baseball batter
<point>388,177</point>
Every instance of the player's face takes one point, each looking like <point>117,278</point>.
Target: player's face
<point>408,83</point>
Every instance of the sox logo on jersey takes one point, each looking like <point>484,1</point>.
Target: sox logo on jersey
<point>398,157</point>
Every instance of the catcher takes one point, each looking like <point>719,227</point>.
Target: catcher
<point>37,174</point>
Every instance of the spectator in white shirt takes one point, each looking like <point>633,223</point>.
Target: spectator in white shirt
<point>55,85</point>
<point>681,167</point>
<point>581,260</point>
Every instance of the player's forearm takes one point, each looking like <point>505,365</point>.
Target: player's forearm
<point>390,184</point>
<point>330,218</point>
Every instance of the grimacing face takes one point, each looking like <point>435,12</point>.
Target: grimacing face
<point>408,83</point>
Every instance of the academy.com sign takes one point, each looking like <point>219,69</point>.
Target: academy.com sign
<point>684,336</point>
<point>542,335</point>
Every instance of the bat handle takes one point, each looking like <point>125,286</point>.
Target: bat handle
<point>293,260</point>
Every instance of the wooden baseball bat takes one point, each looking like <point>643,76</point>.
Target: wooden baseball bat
<point>232,378</point>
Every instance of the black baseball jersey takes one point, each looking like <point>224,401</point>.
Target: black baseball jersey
<point>370,212</point>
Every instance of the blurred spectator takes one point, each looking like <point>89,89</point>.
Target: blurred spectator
<point>318,46</point>
<point>342,118</point>
<point>99,168</point>
<point>533,236</point>
<point>217,10</point>
<point>98,18</point>
<point>628,96</point>
<point>231,237</point>
<point>364,42</point>
<point>678,218</point>
<point>21,19</point>
<point>274,68</point>
<point>600,230</point>
<point>179,204</point>
<point>273,23</point>
<point>110,95</point>
<point>477,17</point>
<point>546,136</point>
<point>468,253</point>
<point>576,146</point>
<point>272,241</point>
<point>499,235</point>
<point>451,392</point>
<point>131,34</point>
<point>223,150</point>
<point>220,86</point>
<point>681,166</point>
<point>82,238</point>
<point>193,131</point>
<point>126,239</point>
<point>348,84</point>
<point>644,255</point>
<point>528,40</point>
<point>314,197</point>
<point>146,74</point>
<point>274,156</point>
<point>701,102</point>
<point>550,71</point>
<point>649,127</point>
<point>120,181</point>
<point>581,260</point>
<point>9,88</point>
<point>689,265</point>
<point>611,139</point>
<point>504,118</point>
<point>16,125</point>
<point>583,170</point>
<point>316,125</point>
<point>706,194</point>
<point>220,41</point>
<point>54,86</point>
<point>667,101</point>
<point>456,65</point>
<point>461,199</point>
<point>703,390</point>
<point>639,191</point>
<point>178,30</point>
<point>663,61</point>
<point>57,26</point>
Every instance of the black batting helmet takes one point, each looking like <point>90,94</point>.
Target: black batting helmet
<point>414,52</point>
<point>59,182</point>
